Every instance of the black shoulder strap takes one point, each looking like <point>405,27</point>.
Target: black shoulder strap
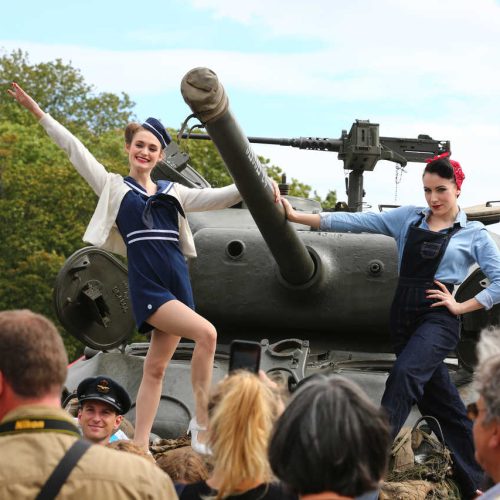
<point>59,475</point>
<point>418,222</point>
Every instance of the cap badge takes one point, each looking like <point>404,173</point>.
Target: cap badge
<point>103,386</point>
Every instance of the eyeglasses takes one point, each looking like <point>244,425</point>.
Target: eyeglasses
<point>473,411</point>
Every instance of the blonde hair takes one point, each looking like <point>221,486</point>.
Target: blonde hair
<point>242,410</point>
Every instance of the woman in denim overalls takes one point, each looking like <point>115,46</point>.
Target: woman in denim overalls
<point>436,247</point>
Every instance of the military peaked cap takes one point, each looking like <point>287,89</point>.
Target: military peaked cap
<point>102,388</point>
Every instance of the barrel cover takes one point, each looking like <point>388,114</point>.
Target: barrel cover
<point>91,299</point>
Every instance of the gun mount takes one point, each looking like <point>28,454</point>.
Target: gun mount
<point>360,150</point>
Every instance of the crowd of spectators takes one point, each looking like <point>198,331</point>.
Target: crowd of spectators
<point>327,442</point>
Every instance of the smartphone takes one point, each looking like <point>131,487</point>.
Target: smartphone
<point>244,355</point>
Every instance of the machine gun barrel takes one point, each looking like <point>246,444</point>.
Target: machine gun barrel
<point>206,97</point>
<point>396,149</point>
<point>311,143</point>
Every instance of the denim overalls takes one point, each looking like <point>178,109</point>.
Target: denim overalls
<point>422,338</point>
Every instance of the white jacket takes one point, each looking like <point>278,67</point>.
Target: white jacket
<point>110,188</point>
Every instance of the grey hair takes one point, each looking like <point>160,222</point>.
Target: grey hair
<point>316,442</point>
<point>488,345</point>
<point>487,381</point>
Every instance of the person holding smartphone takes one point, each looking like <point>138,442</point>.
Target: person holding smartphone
<point>146,221</point>
<point>436,248</point>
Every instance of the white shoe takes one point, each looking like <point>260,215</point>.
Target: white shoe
<point>193,429</point>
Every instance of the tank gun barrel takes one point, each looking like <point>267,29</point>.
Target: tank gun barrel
<point>206,97</point>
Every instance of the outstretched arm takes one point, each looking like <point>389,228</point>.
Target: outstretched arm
<point>292,215</point>
<point>25,100</point>
<point>86,165</point>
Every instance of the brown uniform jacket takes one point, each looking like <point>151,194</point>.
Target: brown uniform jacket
<point>28,459</point>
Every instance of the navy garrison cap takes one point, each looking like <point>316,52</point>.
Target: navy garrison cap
<point>102,388</point>
<point>158,130</point>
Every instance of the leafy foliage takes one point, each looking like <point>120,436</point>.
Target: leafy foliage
<point>61,91</point>
<point>44,204</point>
<point>207,161</point>
<point>329,202</point>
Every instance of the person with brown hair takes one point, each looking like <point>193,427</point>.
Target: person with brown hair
<point>183,465</point>
<point>146,221</point>
<point>39,441</point>
<point>130,447</point>
<point>242,411</point>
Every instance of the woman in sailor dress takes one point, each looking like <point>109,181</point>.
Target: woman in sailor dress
<point>436,248</point>
<point>146,221</point>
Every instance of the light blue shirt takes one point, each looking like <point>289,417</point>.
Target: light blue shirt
<point>491,494</point>
<point>471,245</point>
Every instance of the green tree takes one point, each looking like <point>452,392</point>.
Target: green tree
<point>297,188</point>
<point>44,204</point>
<point>61,91</point>
<point>330,200</point>
<point>207,161</point>
<point>205,158</point>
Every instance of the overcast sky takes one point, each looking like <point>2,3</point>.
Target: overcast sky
<point>297,68</point>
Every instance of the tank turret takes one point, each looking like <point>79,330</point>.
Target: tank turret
<point>259,277</point>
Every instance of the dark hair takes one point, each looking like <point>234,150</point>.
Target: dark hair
<point>441,167</point>
<point>32,355</point>
<point>331,437</point>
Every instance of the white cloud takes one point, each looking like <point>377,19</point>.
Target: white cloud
<point>325,73</point>
<point>386,23</point>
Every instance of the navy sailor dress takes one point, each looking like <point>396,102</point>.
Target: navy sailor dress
<point>157,268</point>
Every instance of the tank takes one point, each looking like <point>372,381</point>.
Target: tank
<point>315,301</point>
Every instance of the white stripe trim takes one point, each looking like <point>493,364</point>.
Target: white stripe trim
<point>140,190</point>
<point>153,231</point>
<point>153,238</point>
<point>135,187</point>
<point>168,188</point>
<point>162,140</point>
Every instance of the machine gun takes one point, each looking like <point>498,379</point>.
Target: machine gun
<point>360,150</point>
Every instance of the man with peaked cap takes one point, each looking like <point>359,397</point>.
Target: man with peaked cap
<point>37,437</point>
<point>103,402</point>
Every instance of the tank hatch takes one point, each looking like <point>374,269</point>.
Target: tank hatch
<point>91,299</point>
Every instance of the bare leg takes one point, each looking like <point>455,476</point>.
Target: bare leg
<point>172,321</point>
<point>160,352</point>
